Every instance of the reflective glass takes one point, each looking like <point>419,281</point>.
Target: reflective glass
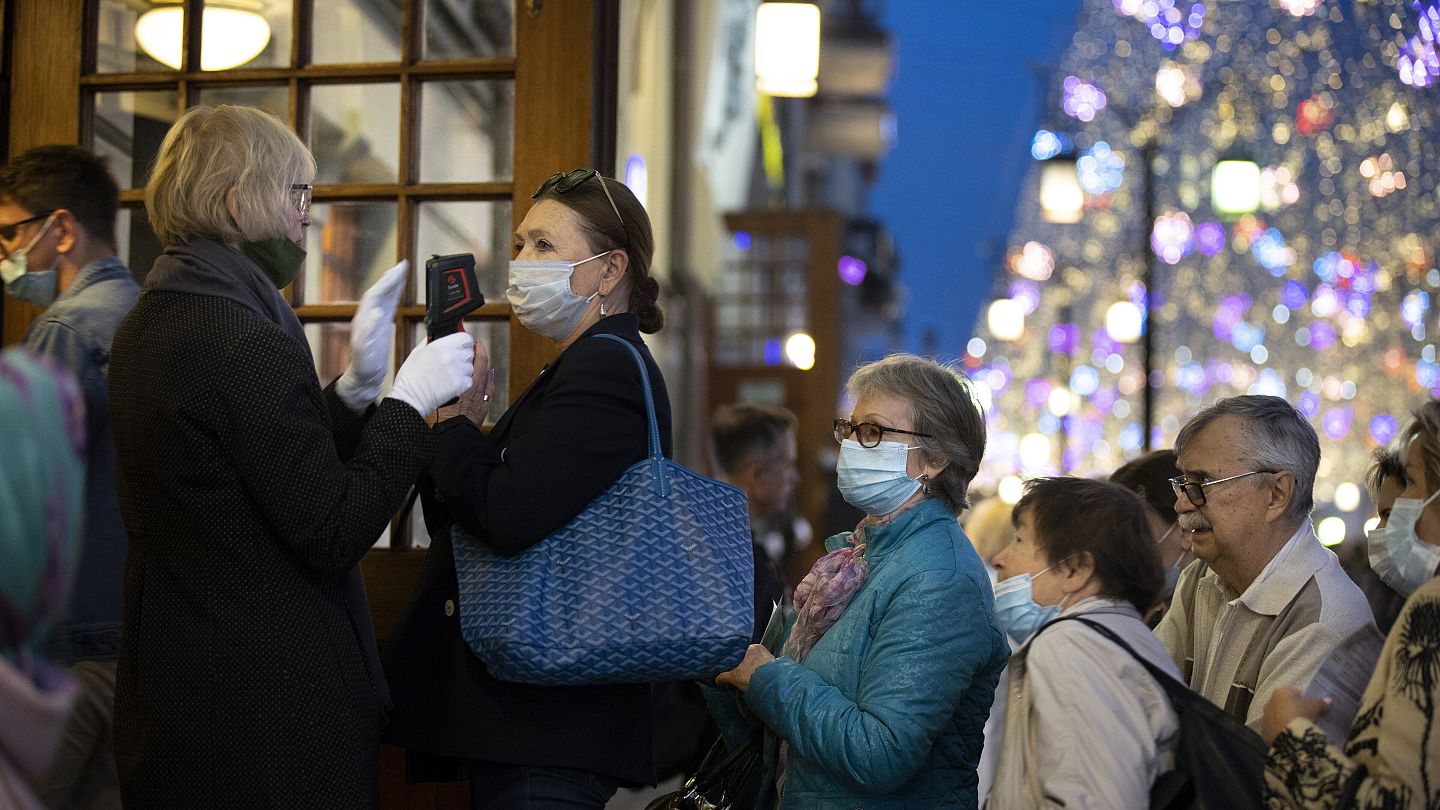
<point>117,49</point>
<point>350,31</point>
<point>349,245</point>
<point>135,242</point>
<point>128,129</point>
<point>355,132</point>
<point>272,99</point>
<point>469,30</point>
<point>481,228</point>
<point>466,131</point>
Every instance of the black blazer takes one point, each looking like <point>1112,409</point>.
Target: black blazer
<point>578,426</point>
<point>249,496</point>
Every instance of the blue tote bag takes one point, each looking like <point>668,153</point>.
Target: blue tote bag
<point>653,581</point>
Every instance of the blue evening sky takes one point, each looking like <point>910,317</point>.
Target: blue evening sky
<point>964,97</point>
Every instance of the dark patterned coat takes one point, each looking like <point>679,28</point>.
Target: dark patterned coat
<point>249,495</point>
<point>578,426</point>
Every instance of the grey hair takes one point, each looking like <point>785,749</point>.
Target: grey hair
<point>210,151</point>
<point>1282,440</point>
<point>941,405</point>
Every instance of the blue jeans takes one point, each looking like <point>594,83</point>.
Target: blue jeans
<point>497,786</point>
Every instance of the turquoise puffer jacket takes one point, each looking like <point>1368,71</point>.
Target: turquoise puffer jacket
<point>887,710</point>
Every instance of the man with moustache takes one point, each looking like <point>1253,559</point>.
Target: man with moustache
<point>1265,603</point>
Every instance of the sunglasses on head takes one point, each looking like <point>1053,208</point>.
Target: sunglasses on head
<point>565,182</point>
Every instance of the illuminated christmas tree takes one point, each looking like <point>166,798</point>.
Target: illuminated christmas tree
<point>1317,288</point>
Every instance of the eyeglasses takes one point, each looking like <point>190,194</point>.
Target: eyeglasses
<point>564,182</point>
<point>1195,490</point>
<point>868,434</point>
<point>7,232</point>
<point>300,196</point>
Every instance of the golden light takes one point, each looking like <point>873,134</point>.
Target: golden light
<point>1235,187</point>
<point>800,351</point>
<point>1397,119</point>
<point>1011,489</point>
<point>1124,321</point>
<point>1331,531</point>
<point>787,49</point>
<point>232,33</point>
<point>1347,497</point>
<point>1062,200</point>
<point>1035,451</point>
<point>1061,401</point>
<point>1006,319</point>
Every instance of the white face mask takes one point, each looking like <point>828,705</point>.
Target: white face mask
<point>1397,555</point>
<point>38,287</point>
<point>540,296</point>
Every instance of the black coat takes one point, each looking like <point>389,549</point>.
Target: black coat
<point>578,426</point>
<point>249,497</point>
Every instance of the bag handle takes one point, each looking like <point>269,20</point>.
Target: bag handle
<point>657,458</point>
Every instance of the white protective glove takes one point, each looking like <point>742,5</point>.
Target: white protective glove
<point>436,372</point>
<point>371,332</point>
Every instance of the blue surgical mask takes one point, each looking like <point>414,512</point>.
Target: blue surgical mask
<point>38,287</point>
<point>1397,555</point>
<point>1015,608</point>
<point>875,478</point>
<point>540,296</point>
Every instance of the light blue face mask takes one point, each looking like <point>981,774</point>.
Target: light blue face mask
<point>38,287</point>
<point>874,478</point>
<point>1397,554</point>
<point>1015,608</point>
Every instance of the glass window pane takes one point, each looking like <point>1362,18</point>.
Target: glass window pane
<point>348,31</point>
<point>128,128</point>
<point>481,228</point>
<point>349,245</point>
<point>245,37</point>
<point>330,346</point>
<point>469,30</point>
<point>272,99</point>
<point>117,48</point>
<point>466,130</point>
<point>495,334</point>
<point>355,132</point>
<point>135,242</point>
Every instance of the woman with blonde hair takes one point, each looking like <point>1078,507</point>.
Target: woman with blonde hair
<point>248,673</point>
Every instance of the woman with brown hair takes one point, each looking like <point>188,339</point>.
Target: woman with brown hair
<point>581,269</point>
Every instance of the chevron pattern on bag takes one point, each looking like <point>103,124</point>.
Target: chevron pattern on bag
<point>637,588</point>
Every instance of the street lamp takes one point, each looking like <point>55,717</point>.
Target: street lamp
<point>1235,188</point>
<point>787,49</point>
<point>1062,200</point>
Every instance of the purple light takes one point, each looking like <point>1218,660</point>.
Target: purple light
<point>1027,293</point>
<point>1104,344</point>
<point>1104,399</point>
<point>1231,311</point>
<point>1383,428</point>
<point>852,270</point>
<point>1082,99</point>
<point>773,352</point>
<point>1308,405</point>
<point>1037,393</point>
<point>1336,423</point>
<point>1322,335</point>
<point>1294,295</point>
<point>1210,238</point>
<point>742,240</point>
<point>1064,338</point>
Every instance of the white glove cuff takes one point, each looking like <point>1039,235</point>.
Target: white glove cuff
<point>357,394</point>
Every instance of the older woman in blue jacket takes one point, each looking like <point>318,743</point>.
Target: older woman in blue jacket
<point>887,672</point>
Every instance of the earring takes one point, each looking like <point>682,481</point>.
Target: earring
<point>925,483</point>
<point>602,305</point>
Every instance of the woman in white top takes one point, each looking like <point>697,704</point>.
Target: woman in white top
<point>1087,725</point>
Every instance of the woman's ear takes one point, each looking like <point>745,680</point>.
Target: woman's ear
<point>232,205</point>
<point>615,266</point>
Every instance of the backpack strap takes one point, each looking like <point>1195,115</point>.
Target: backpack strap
<point>1176,691</point>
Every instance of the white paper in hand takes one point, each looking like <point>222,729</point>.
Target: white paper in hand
<point>1343,678</point>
